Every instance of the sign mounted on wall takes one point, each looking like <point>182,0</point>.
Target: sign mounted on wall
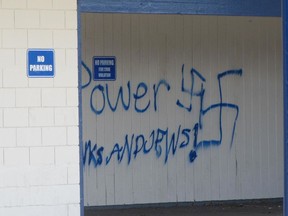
<point>104,68</point>
<point>40,63</point>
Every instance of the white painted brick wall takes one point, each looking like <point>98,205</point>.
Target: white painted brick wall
<point>71,20</point>
<point>26,19</point>
<point>65,4</point>
<point>73,175</point>
<point>67,155</point>
<point>35,211</point>
<point>14,38</point>
<point>50,195</point>
<point>16,117</point>
<point>71,57</point>
<point>39,4</point>
<point>61,59</point>
<point>29,137</point>
<point>1,78</point>
<point>7,57</point>
<point>54,136</point>
<point>1,157</point>
<point>72,135</point>
<point>34,176</point>
<point>8,137</point>
<point>41,117</point>
<point>1,118</point>
<point>14,4</point>
<point>71,99</point>
<point>65,39</point>
<point>54,97</point>
<point>48,175</point>
<point>20,56</point>
<point>16,156</point>
<point>14,77</point>
<point>42,155</point>
<point>7,19</point>
<point>69,77</point>
<point>52,19</point>
<point>26,97</point>
<point>7,97</point>
<point>0,39</point>
<point>66,116</point>
<point>40,38</point>
<point>41,82</point>
<point>14,177</point>
<point>73,210</point>
<point>39,148</point>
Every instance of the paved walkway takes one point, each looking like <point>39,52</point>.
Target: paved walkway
<point>264,208</point>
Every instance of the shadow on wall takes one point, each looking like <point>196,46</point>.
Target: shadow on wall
<point>271,207</point>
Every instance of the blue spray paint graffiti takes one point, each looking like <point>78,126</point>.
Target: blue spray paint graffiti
<point>140,93</point>
<point>89,75</point>
<point>161,141</point>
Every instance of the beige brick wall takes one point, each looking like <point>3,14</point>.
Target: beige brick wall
<point>39,133</point>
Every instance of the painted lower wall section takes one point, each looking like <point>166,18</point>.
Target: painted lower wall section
<point>195,112</point>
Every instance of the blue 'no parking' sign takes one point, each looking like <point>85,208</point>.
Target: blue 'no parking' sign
<point>40,63</point>
<point>104,68</point>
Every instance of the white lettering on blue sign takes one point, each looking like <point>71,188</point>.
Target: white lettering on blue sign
<point>40,58</point>
<point>104,68</point>
<point>40,63</point>
<point>41,67</point>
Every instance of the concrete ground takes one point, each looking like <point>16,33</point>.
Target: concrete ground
<point>253,208</point>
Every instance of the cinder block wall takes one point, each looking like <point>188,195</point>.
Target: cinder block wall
<point>39,142</point>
